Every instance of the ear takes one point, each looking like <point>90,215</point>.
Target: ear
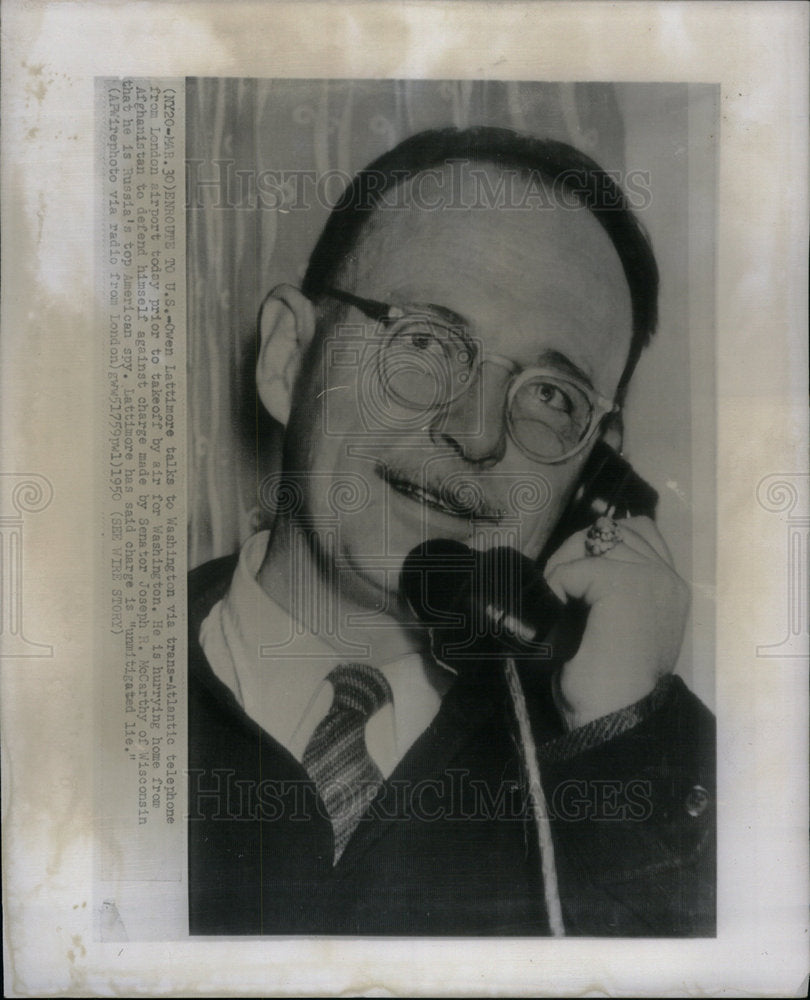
<point>286,327</point>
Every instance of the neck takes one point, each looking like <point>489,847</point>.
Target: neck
<point>310,589</point>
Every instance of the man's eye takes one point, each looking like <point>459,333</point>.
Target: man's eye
<point>552,396</point>
<point>422,340</point>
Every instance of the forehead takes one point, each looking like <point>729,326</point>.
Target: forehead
<point>528,279</point>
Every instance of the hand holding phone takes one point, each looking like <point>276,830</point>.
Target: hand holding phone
<point>616,620</point>
<point>636,613</point>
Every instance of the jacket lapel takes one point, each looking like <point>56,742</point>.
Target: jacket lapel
<point>465,710</point>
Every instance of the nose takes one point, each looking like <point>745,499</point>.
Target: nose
<point>474,424</point>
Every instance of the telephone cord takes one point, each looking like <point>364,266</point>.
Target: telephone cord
<point>537,799</point>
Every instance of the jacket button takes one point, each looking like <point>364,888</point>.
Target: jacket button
<point>697,799</point>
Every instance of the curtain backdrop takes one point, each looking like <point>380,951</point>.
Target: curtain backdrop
<point>242,241</point>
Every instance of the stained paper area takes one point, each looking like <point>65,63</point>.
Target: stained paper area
<point>749,593</point>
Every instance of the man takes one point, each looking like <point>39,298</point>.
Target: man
<point>465,332</point>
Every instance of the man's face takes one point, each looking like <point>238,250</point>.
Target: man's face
<point>541,287</point>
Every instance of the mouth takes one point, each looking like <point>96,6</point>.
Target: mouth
<point>458,502</point>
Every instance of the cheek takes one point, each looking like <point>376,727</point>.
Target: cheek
<point>323,423</point>
<point>537,526</point>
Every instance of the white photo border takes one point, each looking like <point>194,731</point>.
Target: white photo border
<point>756,51</point>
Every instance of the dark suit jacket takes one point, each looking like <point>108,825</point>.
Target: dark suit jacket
<point>448,847</point>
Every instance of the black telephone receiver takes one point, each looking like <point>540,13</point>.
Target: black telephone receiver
<point>483,606</point>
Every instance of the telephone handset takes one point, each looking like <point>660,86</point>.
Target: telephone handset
<point>482,606</point>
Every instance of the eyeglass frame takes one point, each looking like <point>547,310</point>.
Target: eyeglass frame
<point>601,407</point>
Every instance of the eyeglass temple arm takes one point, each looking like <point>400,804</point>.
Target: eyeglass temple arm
<point>378,311</point>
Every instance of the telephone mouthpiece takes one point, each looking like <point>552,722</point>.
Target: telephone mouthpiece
<point>479,605</point>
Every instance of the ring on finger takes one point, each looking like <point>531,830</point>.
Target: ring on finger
<point>603,535</point>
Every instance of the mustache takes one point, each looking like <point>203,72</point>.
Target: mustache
<point>454,492</point>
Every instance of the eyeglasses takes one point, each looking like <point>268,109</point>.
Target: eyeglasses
<point>427,364</point>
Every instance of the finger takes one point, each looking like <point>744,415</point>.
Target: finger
<point>621,552</point>
<point>648,530</point>
<point>583,579</point>
<point>586,577</point>
<point>638,543</point>
<point>573,548</point>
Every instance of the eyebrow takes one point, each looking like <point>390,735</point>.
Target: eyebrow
<point>556,359</point>
<point>448,316</point>
<point>380,311</point>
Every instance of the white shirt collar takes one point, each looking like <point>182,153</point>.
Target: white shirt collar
<point>277,670</point>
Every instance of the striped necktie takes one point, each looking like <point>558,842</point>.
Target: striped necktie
<point>336,756</point>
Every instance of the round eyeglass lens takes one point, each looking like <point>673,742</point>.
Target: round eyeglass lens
<point>549,417</point>
<point>425,364</point>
